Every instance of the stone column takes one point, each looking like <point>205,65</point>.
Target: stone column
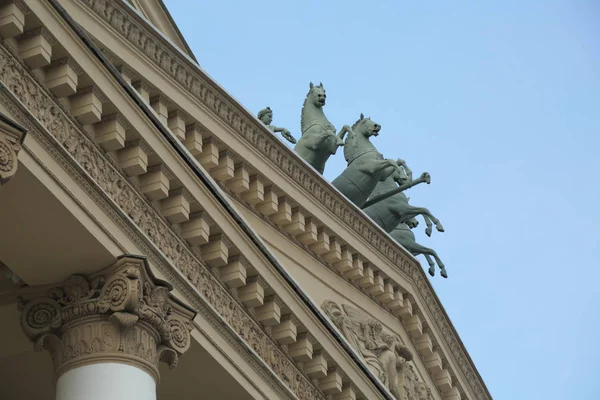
<point>108,331</point>
<point>11,135</point>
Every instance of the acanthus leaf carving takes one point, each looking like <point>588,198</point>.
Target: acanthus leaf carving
<point>10,145</point>
<point>99,316</point>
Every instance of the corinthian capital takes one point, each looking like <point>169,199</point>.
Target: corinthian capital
<point>120,314</point>
<point>11,136</point>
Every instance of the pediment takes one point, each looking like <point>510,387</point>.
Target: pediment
<point>155,12</point>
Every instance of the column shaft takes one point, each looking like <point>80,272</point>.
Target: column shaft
<point>102,381</point>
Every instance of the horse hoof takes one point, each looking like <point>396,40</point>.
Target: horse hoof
<point>428,231</point>
<point>431,271</point>
<point>439,227</point>
<point>443,272</point>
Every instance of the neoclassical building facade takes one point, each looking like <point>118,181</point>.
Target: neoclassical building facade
<point>158,241</point>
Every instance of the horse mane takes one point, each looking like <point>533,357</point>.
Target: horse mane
<point>302,112</point>
<point>350,146</point>
<point>358,121</point>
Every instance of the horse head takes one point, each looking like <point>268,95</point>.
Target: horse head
<point>366,127</point>
<point>316,95</point>
<point>312,109</point>
<point>357,142</point>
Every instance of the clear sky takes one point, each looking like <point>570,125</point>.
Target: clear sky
<point>500,103</point>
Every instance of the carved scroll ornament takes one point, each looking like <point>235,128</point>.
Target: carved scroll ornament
<point>121,314</point>
<point>10,145</point>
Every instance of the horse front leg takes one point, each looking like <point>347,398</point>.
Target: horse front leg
<point>340,136</point>
<point>431,264</point>
<point>428,253</point>
<point>385,168</point>
<point>425,212</point>
<point>429,225</point>
<point>409,212</point>
<point>402,165</point>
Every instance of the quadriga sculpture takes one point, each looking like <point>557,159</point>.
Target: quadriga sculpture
<point>266,117</point>
<point>404,235</point>
<point>366,165</point>
<point>388,213</point>
<point>319,140</point>
<point>384,354</point>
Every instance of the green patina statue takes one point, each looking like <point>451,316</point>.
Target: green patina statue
<point>397,217</point>
<point>266,116</point>
<point>369,181</point>
<point>395,209</point>
<point>366,165</point>
<point>319,140</point>
<point>404,235</point>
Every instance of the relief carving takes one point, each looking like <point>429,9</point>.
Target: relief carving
<point>414,388</point>
<point>384,353</point>
<point>121,314</point>
<point>11,136</point>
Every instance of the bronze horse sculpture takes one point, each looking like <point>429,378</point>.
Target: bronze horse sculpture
<point>366,165</point>
<point>403,234</point>
<point>319,140</point>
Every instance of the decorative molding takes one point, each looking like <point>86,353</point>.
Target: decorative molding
<point>10,145</point>
<point>40,31</point>
<point>414,387</point>
<point>67,61</point>
<point>198,85</point>
<point>57,124</point>
<point>148,248</point>
<point>121,314</point>
<point>8,159</point>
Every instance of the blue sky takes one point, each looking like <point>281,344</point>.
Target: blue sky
<point>500,103</point>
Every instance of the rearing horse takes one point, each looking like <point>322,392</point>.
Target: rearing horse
<point>319,140</point>
<point>366,165</point>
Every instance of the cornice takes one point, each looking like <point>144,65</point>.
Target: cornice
<point>155,257</point>
<point>182,70</point>
<point>36,109</point>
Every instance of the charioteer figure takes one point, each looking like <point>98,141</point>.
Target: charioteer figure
<point>266,117</point>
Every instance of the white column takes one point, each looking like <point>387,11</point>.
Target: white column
<point>102,381</point>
